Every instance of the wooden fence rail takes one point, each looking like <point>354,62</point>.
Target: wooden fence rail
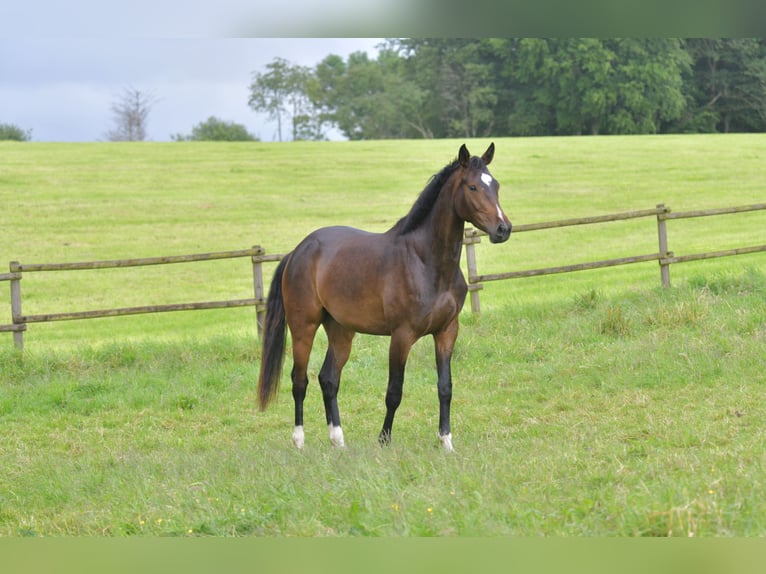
<point>17,270</point>
<point>258,256</point>
<point>664,256</point>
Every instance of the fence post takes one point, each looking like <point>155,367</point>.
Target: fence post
<point>16,317</point>
<point>471,239</point>
<point>662,235</point>
<point>260,309</point>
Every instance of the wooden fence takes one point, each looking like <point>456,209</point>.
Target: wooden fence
<point>17,270</point>
<point>664,256</point>
<point>258,256</point>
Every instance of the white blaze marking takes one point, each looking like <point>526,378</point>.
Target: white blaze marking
<point>486,178</point>
<point>298,436</point>
<point>500,213</point>
<point>336,436</point>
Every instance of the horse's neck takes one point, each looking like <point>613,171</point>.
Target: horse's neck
<point>443,232</point>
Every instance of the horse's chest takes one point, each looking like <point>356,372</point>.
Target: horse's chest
<point>441,289</point>
<point>437,303</point>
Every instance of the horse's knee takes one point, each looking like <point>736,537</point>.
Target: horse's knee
<point>299,394</point>
<point>299,387</point>
<point>393,399</point>
<point>329,388</point>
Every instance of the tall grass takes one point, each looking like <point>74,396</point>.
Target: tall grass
<point>637,415</point>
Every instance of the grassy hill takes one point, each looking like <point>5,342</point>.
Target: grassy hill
<point>79,202</point>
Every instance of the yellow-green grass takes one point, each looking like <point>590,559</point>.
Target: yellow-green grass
<point>631,415</point>
<point>79,202</point>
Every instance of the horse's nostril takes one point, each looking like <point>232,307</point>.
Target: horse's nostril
<point>502,234</point>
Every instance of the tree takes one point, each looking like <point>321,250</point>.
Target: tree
<point>589,85</point>
<point>283,92</point>
<point>131,114</point>
<point>305,110</point>
<point>11,132</point>
<point>466,88</point>
<point>415,88</point>
<point>214,129</point>
<point>455,82</point>
<point>532,102</point>
<point>727,90</point>
<point>648,85</point>
<point>269,91</point>
<point>359,97</point>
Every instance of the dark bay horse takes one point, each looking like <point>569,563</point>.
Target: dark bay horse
<point>405,283</point>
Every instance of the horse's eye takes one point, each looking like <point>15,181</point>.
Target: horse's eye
<point>472,187</point>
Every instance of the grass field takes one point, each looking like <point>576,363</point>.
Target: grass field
<point>594,403</point>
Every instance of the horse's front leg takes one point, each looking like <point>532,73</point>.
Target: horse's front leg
<point>444,343</point>
<point>401,343</point>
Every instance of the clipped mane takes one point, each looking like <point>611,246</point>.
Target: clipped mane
<point>427,198</point>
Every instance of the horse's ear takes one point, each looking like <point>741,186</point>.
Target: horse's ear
<point>487,157</point>
<point>463,156</point>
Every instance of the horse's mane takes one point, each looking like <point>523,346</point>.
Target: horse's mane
<point>427,198</point>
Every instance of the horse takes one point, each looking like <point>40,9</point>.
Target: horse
<point>405,283</point>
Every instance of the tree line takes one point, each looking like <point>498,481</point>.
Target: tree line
<point>434,88</point>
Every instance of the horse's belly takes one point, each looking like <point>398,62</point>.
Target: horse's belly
<point>375,314</point>
<point>357,310</point>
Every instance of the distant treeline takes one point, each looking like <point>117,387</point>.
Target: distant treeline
<point>433,88</point>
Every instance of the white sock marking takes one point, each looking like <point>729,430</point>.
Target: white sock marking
<point>336,436</point>
<point>298,437</point>
<point>446,441</point>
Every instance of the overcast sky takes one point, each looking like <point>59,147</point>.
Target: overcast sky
<point>63,63</point>
<point>62,88</point>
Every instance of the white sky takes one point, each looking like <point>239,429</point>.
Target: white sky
<point>62,87</point>
<point>64,62</point>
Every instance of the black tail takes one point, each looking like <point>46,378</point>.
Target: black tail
<point>273,354</point>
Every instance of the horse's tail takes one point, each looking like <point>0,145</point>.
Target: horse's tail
<point>273,354</point>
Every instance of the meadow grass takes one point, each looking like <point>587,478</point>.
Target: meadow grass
<point>80,202</point>
<point>591,404</point>
<point>634,415</point>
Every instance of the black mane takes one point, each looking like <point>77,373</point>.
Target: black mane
<point>427,198</point>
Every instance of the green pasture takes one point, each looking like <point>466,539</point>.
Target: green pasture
<point>593,403</point>
<point>80,202</point>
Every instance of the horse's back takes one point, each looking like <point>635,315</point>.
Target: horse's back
<point>337,246</point>
<point>339,270</point>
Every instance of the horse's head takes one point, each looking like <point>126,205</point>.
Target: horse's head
<point>475,198</point>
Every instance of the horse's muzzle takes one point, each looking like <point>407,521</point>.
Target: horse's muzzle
<point>501,234</point>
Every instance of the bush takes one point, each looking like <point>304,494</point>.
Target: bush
<point>214,129</point>
<point>14,133</point>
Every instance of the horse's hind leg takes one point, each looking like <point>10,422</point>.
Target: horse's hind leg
<point>338,348</point>
<point>303,340</point>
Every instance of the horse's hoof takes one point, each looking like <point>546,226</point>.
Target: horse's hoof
<point>299,438</point>
<point>446,441</point>
<point>336,436</point>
